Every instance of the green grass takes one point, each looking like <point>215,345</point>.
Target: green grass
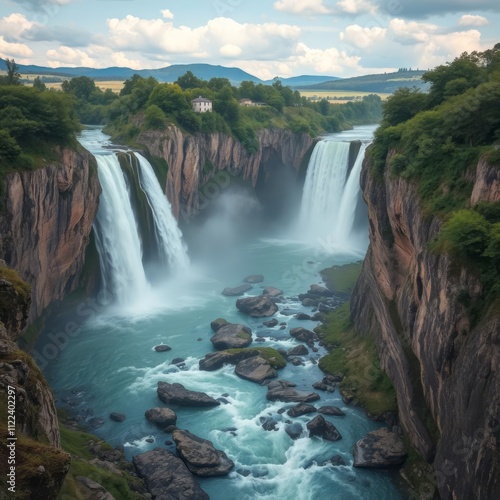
<point>20,286</point>
<point>271,355</point>
<point>356,357</point>
<point>342,278</point>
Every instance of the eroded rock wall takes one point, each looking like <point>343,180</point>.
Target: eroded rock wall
<point>445,368</point>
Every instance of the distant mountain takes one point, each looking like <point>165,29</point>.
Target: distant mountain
<point>168,74</point>
<point>305,80</point>
<point>383,83</point>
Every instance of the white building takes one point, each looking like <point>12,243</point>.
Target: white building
<point>201,105</point>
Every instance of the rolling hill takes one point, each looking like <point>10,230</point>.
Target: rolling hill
<point>381,83</point>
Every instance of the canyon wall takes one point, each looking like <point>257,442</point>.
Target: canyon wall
<point>444,364</point>
<point>194,159</point>
<point>46,224</point>
<point>40,464</point>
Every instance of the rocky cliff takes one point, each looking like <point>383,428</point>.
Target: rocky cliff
<point>194,159</point>
<point>443,362</point>
<point>25,397</point>
<point>46,224</point>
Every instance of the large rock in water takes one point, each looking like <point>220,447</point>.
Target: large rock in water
<point>218,323</point>
<point>318,426</point>
<point>167,477</point>
<point>255,369</point>
<point>215,360</point>
<point>379,448</point>
<point>283,390</point>
<point>257,307</point>
<point>301,409</point>
<point>200,456</point>
<point>162,417</point>
<point>232,336</point>
<point>303,334</point>
<point>272,292</point>
<point>234,292</point>
<point>178,394</point>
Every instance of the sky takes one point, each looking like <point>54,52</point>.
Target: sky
<point>266,38</point>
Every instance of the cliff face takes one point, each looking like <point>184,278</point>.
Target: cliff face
<point>40,465</point>
<point>47,223</point>
<point>194,159</point>
<point>445,369</point>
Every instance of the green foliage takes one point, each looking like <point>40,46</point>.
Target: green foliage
<point>154,117</point>
<point>404,104</point>
<point>342,278</point>
<point>355,356</point>
<point>275,359</point>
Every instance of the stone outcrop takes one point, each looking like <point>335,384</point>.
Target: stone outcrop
<point>46,225</point>
<point>162,417</point>
<point>320,427</point>
<point>189,155</point>
<point>232,336</point>
<point>177,394</point>
<point>167,477</point>
<point>444,365</point>
<point>257,307</point>
<point>379,448</point>
<point>35,411</point>
<point>256,369</point>
<point>283,390</point>
<point>237,291</point>
<point>200,456</point>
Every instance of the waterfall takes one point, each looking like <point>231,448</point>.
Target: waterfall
<point>116,234</point>
<point>168,235</point>
<point>331,194</point>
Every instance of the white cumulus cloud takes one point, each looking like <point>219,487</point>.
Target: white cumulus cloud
<point>470,20</point>
<point>357,6</point>
<point>8,50</point>
<point>362,37</point>
<point>167,14</point>
<point>301,6</point>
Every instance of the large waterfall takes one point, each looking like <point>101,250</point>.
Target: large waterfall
<point>331,194</point>
<point>117,232</point>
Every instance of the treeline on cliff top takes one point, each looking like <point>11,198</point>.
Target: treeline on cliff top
<point>143,104</point>
<point>436,140</point>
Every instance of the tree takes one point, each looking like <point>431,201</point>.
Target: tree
<point>190,81</point>
<point>404,104</point>
<point>13,76</point>
<point>39,85</point>
<point>81,86</point>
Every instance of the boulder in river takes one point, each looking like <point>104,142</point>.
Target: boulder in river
<point>301,409</point>
<point>166,476</point>
<point>302,316</point>
<point>298,350</point>
<point>294,430</point>
<point>321,290</point>
<point>303,335</point>
<point>162,348</point>
<point>117,417</point>
<point>283,390</point>
<point>215,360</point>
<point>272,292</point>
<point>256,369</point>
<point>200,456</point>
<point>179,395</point>
<point>235,292</point>
<point>216,324</point>
<point>257,307</point>
<point>318,426</point>
<point>232,336</point>
<point>331,410</point>
<point>254,278</point>
<point>337,460</point>
<point>271,323</point>
<point>162,417</point>
<point>378,449</point>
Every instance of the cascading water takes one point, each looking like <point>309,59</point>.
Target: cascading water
<point>116,228</point>
<point>116,234</point>
<point>331,194</point>
<point>168,235</point>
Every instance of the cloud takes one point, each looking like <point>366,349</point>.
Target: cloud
<point>355,7</point>
<point>220,36</point>
<point>68,56</point>
<point>425,8</point>
<point>8,49</point>
<point>68,36</point>
<point>301,6</point>
<point>14,26</point>
<point>167,14</point>
<point>362,38</point>
<point>42,6</point>
<point>470,20</point>
<point>411,32</point>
